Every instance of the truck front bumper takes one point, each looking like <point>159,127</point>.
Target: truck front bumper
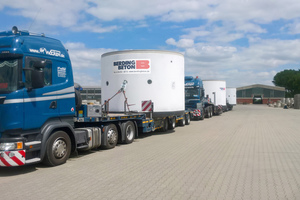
<point>197,113</point>
<point>12,158</point>
<point>12,152</point>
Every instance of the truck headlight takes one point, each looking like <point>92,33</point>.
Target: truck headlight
<point>11,146</point>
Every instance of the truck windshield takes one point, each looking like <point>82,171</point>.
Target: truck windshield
<point>8,75</point>
<point>192,93</point>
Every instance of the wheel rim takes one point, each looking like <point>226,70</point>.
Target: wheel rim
<point>183,120</point>
<point>129,132</point>
<point>111,136</point>
<point>173,123</point>
<point>59,148</point>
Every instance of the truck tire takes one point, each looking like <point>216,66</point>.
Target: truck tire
<point>129,129</point>
<point>58,149</point>
<point>172,123</point>
<point>182,121</point>
<point>187,119</point>
<point>111,136</point>
<point>165,125</point>
<point>202,116</point>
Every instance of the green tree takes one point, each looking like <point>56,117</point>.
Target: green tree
<point>290,79</point>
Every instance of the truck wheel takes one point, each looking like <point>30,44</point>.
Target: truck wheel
<point>187,119</point>
<point>182,121</point>
<point>201,117</point>
<point>210,113</point>
<point>129,132</point>
<point>172,123</point>
<point>58,149</point>
<point>165,125</point>
<point>206,115</point>
<point>111,133</point>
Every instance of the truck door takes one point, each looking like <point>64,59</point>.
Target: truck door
<point>63,79</point>
<point>38,107</point>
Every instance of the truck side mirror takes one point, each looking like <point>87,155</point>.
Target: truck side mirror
<point>39,64</point>
<point>37,78</point>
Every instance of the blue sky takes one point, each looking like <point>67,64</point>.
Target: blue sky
<point>243,42</point>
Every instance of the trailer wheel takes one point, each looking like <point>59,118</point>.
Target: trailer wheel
<point>111,135</point>
<point>182,121</point>
<point>129,132</point>
<point>187,119</point>
<point>58,149</point>
<point>172,123</point>
<point>165,125</point>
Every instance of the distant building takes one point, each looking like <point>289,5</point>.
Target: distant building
<point>91,93</point>
<point>259,94</point>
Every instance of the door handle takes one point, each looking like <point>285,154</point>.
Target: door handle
<point>53,105</point>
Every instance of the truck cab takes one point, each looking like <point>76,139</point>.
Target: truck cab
<point>194,96</point>
<point>196,101</point>
<point>36,94</point>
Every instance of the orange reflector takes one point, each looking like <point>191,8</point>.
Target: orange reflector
<point>19,145</point>
<point>30,147</point>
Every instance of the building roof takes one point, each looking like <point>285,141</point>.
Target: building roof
<point>261,86</point>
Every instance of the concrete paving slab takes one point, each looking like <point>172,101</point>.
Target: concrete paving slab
<point>252,152</point>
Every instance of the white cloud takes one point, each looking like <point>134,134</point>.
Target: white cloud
<point>250,28</point>
<point>203,52</point>
<point>86,78</point>
<point>171,41</point>
<point>167,10</point>
<point>196,32</point>
<point>185,43</point>
<point>263,74</point>
<point>94,28</point>
<point>254,10</point>
<point>208,46</point>
<point>68,13</point>
<point>83,57</point>
<point>89,15</point>
<point>63,13</point>
<point>75,45</point>
<point>182,43</point>
<point>292,28</point>
<point>239,67</point>
<point>86,63</point>
<point>213,33</point>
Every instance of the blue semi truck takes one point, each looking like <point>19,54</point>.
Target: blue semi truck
<point>42,118</point>
<point>196,102</point>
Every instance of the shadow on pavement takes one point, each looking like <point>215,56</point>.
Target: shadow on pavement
<point>158,132</point>
<point>14,171</point>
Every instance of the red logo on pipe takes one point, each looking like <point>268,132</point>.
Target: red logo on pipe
<point>142,64</point>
